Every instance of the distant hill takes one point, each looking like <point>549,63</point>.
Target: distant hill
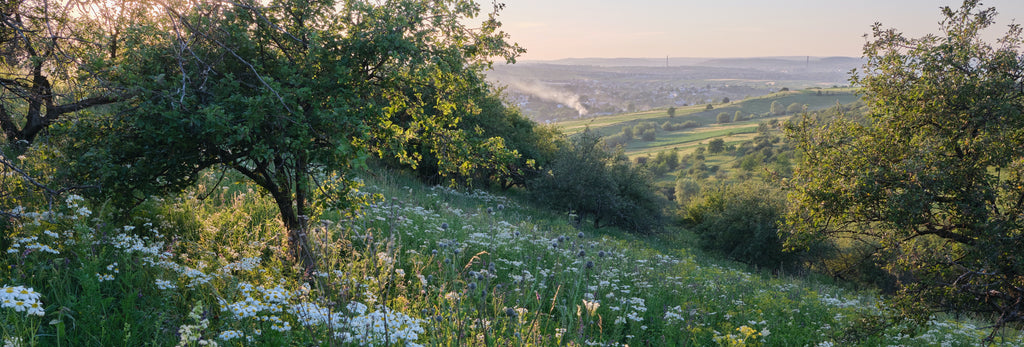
<point>770,63</point>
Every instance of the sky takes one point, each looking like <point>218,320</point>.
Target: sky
<point>556,29</point>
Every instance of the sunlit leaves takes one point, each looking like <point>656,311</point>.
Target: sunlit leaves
<point>931,175</point>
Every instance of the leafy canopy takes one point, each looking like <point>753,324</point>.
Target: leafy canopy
<point>936,172</point>
<point>291,94</point>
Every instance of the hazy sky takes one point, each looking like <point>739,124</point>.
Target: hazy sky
<point>554,29</point>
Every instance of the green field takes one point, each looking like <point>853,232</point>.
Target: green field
<point>688,139</point>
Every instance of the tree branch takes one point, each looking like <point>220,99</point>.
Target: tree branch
<point>55,111</point>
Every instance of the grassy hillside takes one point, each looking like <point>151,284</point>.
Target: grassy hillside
<point>709,127</point>
<point>418,265</point>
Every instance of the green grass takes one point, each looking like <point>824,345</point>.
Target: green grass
<point>446,267</point>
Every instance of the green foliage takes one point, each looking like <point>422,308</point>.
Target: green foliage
<point>434,258</point>
<point>741,221</point>
<point>795,108</point>
<point>723,117</point>
<point>935,174</point>
<point>709,107</point>
<point>686,190</point>
<point>738,116</point>
<point>663,162</point>
<point>716,146</point>
<point>671,112</point>
<point>777,108</point>
<point>669,126</point>
<point>53,55</point>
<point>500,145</point>
<point>593,183</point>
<point>649,135</point>
<point>302,93</point>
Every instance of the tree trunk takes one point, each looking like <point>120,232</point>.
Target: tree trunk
<point>295,227</point>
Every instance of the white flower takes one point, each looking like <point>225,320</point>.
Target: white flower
<point>228,335</point>
<point>165,285</point>
<point>21,299</point>
<point>14,342</point>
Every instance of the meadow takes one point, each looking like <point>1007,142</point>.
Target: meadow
<point>416,266</point>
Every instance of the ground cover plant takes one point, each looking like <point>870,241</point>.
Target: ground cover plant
<point>419,265</point>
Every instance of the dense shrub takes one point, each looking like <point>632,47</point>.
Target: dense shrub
<point>741,222</point>
<point>669,126</point>
<point>723,117</point>
<point>593,183</point>
<point>649,135</point>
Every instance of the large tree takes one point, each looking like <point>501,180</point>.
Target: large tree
<point>291,94</point>
<point>935,174</point>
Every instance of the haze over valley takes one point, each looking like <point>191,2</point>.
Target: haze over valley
<point>574,88</point>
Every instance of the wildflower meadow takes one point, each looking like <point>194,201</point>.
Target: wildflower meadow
<point>415,266</point>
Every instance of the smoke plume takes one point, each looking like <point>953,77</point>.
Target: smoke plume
<point>540,90</point>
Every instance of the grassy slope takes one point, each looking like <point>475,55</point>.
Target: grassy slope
<point>451,267</point>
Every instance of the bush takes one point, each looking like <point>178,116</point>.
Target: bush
<point>795,108</point>
<point>686,189</point>
<point>588,180</point>
<point>716,146</point>
<point>741,221</point>
<point>669,126</point>
<point>648,135</point>
<point>723,117</point>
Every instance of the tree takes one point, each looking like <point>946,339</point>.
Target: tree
<point>795,108</point>
<point>709,107</point>
<point>293,95</point>
<point>723,117</point>
<point>738,116</point>
<point>935,174</point>
<point>51,56</point>
<point>725,100</point>
<point>671,112</point>
<point>777,109</point>
<point>501,146</point>
<point>716,146</point>
<point>649,134</point>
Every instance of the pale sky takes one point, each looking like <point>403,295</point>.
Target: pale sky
<point>555,29</point>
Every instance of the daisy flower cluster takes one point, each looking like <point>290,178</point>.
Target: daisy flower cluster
<point>31,244</point>
<point>363,327</point>
<point>21,299</point>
